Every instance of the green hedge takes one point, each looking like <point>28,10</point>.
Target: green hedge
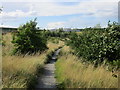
<point>97,44</point>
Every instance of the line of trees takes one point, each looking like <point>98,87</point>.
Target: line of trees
<point>57,33</point>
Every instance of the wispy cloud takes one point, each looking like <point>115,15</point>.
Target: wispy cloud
<point>57,0</point>
<point>99,10</point>
<point>17,13</point>
<point>54,9</point>
<point>55,25</point>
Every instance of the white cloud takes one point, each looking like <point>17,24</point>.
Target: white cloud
<point>80,22</point>
<point>53,9</point>
<point>17,13</point>
<point>57,0</point>
<point>101,9</point>
<point>55,25</point>
<point>85,21</point>
<point>96,8</point>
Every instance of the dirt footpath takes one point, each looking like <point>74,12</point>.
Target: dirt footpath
<point>47,80</point>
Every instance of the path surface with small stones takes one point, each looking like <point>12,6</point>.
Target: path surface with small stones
<point>47,79</point>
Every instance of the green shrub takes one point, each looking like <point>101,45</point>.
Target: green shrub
<point>97,44</point>
<point>28,40</point>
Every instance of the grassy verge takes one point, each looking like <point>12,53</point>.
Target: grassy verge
<point>0,59</point>
<point>19,71</point>
<point>71,73</point>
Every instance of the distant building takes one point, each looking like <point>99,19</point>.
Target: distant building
<point>12,29</point>
<point>7,29</point>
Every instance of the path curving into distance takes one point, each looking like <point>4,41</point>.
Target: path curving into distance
<point>47,79</point>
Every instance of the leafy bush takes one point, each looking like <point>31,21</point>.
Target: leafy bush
<point>98,44</point>
<point>28,40</point>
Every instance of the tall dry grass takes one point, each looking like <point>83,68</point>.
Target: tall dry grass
<point>7,45</point>
<point>0,66</point>
<point>52,45</point>
<point>71,73</point>
<point>19,71</point>
<point>0,58</point>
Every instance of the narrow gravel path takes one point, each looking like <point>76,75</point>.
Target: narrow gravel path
<point>47,80</point>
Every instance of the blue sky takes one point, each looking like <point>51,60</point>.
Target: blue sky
<point>79,14</point>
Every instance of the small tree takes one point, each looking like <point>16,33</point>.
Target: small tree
<point>27,40</point>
